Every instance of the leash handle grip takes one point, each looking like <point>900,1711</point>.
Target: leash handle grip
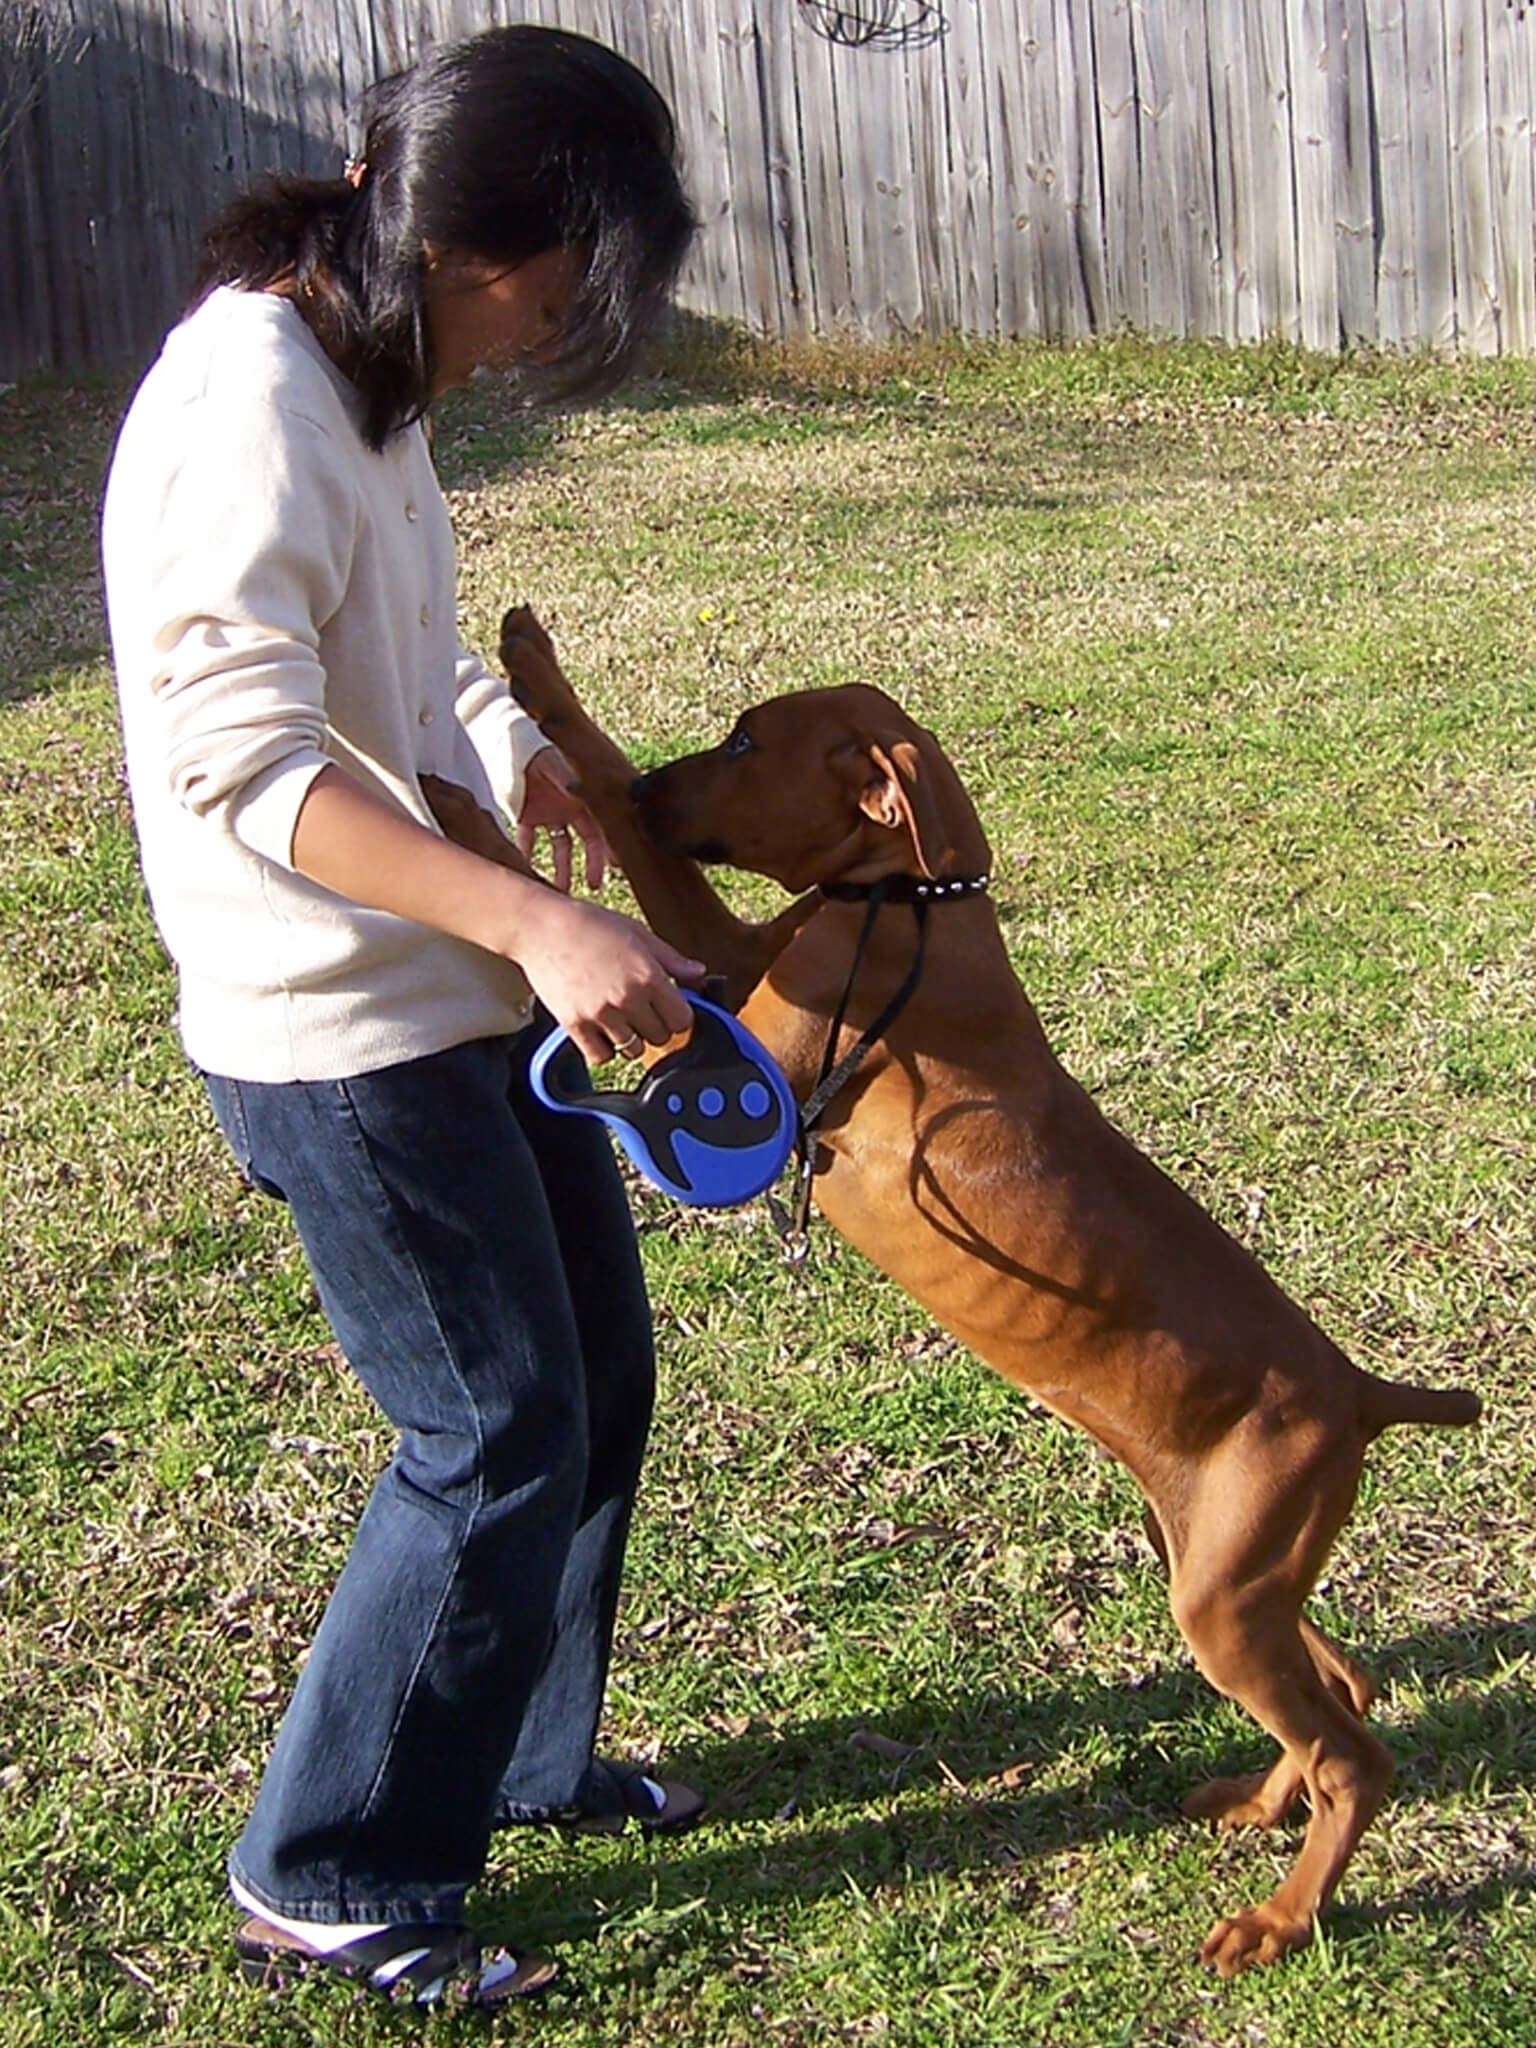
<point>712,1123</point>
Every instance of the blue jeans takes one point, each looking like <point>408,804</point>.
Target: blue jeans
<point>474,1254</point>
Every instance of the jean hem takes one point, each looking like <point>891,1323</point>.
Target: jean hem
<point>436,1909</point>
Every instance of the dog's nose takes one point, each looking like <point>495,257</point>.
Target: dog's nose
<point>638,788</point>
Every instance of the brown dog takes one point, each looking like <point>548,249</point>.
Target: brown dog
<point>965,1162</point>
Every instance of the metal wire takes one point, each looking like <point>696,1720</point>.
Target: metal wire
<point>875,24</point>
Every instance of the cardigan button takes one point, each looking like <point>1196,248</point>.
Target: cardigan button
<point>426,615</point>
<point>424,715</point>
<point>411,512</point>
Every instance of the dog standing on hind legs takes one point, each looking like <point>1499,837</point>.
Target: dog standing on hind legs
<point>964,1161</point>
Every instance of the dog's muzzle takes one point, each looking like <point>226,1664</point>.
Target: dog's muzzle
<point>647,794</point>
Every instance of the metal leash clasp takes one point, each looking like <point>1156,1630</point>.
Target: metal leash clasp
<point>793,1223</point>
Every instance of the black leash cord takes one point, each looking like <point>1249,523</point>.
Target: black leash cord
<point>793,1225</point>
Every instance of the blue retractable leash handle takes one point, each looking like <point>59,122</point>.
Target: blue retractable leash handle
<point>713,1123</point>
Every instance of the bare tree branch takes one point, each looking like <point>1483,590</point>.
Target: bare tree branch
<point>35,37</point>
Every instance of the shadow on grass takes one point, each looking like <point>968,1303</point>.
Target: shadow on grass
<point>55,439</point>
<point>776,1786</point>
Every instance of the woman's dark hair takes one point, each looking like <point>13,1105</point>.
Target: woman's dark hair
<point>499,147</point>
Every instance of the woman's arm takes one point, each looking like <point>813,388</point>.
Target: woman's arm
<point>606,978</point>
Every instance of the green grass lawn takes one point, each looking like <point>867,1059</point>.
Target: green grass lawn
<point>1237,652</point>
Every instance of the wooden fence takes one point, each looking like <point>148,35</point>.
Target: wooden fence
<point>1330,171</point>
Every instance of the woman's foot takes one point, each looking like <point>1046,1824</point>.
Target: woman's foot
<point>611,1795</point>
<point>419,1963</point>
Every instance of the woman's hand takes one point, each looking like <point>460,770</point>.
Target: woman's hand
<point>606,978</point>
<point>550,802</point>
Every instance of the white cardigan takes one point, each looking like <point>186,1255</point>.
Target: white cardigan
<point>281,597</point>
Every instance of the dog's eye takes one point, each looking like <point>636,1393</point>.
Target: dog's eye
<point>740,741</point>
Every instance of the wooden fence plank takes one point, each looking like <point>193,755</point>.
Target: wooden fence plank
<point>1511,58</point>
<point>882,152</point>
<point>1022,171</point>
<point>971,172</point>
<point>356,68</point>
<point>1397,236</point>
<point>1354,204</point>
<point>1317,275</point>
<point>261,42</point>
<point>314,113</point>
<point>1120,165</point>
<point>1078,88</point>
<point>1429,158</point>
<point>191,190</point>
<point>1269,84</point>
<point>655,34</point>
<point>832,290</point>
<point>747,149</point>
<point>32,340</point>
<point>125,88</point>
<point>784,172</point>
<point>1240,206</point>
<point>865,221</point>
<point>1475,254</point>
<point>714,267</point>
<point>80,104</point>
<point>1057,306</point>
<point>393,38</point>
<point>1183,286</point>
<point>933,232</point>
<point>33,145</point>
<point>1158,115</point>
<point>1189,61</point>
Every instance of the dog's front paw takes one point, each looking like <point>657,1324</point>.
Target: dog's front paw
<point>467,823</point>
<point>534,673</point>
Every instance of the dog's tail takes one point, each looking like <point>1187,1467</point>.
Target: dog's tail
<point>1389,1401</point>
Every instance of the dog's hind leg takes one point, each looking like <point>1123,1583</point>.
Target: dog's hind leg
<point>1341,1767</point>
<point>1251,1553</point>
<point>1339,1671</point>
<point>1264,1798</point>
<point>1260,1799</point>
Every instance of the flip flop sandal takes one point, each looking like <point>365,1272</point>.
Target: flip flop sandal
<point>612,1795</point>
<point>415,1962</point>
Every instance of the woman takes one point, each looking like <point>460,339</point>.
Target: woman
<point>356,988</point>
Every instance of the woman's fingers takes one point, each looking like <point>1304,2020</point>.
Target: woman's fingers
<point>608,979</point>
<point>598,852</point>
<point>560,849</point>
<point>681,966</point>
<point>551,802</point>
<point>593,1043</point>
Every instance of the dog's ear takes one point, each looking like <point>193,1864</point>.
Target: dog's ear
<point>901,795</point>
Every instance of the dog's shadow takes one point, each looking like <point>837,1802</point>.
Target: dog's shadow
<point>767,1791</point>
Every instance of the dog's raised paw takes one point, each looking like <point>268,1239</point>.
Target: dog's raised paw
<point>533,670</point>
